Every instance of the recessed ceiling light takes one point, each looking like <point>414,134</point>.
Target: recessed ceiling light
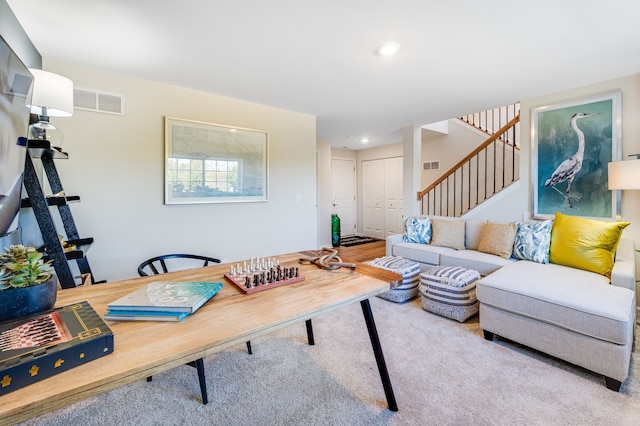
<point>365,140</point>
<point>388,48</point>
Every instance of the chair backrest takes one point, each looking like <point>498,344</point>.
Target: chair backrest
<point>158,265</point>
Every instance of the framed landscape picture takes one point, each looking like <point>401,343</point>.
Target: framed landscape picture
<point>572,144</point>
<point>214,163</point>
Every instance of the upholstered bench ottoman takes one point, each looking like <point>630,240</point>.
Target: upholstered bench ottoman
<point>410,272</point>
<point>450,291</point>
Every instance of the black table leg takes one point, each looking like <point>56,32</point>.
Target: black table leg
<point>377,351</point>
<point>310,338</point>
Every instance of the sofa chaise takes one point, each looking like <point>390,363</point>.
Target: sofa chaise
<point>565,287</point>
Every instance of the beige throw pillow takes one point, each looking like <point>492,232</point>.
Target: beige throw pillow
<point>498,238</point>
<point>447,233</point>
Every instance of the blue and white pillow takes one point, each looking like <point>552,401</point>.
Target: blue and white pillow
<point>416,230</point>
<point>533,241</point>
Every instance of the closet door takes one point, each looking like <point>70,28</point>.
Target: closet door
<point>393,196</point>
<point>373,183</point>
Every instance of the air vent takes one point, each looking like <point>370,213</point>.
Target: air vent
<point>431,165</point>
<point>90,100</point>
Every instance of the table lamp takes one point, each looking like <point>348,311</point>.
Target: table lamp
<point>625,174</point>
<point>52,97</point>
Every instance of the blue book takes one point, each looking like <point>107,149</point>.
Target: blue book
<point>145,316</point>
<point>167,296</point>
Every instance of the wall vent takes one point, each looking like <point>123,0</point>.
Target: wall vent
<point>90,100</point>
<point>430,165</point>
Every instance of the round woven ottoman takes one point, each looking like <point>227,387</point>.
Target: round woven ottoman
<point>410,272</point>
<point>450,291</point>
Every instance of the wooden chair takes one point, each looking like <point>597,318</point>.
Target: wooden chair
<point>158,265</point>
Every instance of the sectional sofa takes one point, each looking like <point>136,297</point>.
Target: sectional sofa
<point>565,286</point>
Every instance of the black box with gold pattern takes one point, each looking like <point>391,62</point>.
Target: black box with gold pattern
<point>42,345</point>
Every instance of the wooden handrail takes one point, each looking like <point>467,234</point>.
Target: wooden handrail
<point>472,154</point>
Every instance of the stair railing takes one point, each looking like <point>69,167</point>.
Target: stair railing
<point>487,170</point>
<point>490,121</point>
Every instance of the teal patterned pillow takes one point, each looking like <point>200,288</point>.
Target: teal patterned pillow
<point>533,241</point>
<point>416,230</point>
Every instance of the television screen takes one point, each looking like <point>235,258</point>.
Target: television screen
<point>15,94</point>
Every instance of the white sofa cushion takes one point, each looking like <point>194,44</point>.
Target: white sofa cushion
<point>577,300</point>
<point>422,253</point>
<point>484,263</point>
<point>473,233</point>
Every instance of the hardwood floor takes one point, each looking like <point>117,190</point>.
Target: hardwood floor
<point>363,252</point>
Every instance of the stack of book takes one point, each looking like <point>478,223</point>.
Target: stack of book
<point>162,301</point>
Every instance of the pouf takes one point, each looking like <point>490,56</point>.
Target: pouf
<point>450,291</point>
<point>410,272</point>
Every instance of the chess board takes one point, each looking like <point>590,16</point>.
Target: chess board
<point>240,281</point>
<point>259,274</point>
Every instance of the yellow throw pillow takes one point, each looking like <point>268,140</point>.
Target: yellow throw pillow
<point>447,233</point>
<point>498,238</point>
<point>585,243</point>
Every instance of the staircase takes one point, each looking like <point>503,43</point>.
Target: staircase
<point>484,172</point>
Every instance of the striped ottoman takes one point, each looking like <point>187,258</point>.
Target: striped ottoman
<point>450,291</point>
<point>410,272</point>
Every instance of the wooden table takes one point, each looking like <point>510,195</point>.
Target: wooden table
<point>142,349</point>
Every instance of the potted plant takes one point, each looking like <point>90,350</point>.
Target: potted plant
<point>27,283</point>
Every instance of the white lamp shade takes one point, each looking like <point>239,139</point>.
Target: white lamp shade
<point>624,174</point>
<point>53,92</point>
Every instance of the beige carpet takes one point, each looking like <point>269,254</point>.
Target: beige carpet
<point>443,373</point>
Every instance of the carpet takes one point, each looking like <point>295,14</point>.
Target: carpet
<point>442,372</point>
<point>354,240</point>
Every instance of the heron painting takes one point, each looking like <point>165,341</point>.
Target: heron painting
<point>572,144</point>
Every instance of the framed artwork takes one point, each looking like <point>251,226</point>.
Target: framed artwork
<point>571,145</point>
<point>214,163</point>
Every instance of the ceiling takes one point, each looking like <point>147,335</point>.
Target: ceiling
<point>318,56</point>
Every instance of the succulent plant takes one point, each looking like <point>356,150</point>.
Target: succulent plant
<point>22,266</point>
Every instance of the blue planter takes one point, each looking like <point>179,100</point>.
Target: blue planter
<point>19,302</point>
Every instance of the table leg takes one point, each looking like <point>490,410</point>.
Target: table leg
<point>377,351</point>
<point>310,338</point>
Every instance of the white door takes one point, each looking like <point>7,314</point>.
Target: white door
<point>343,193</point>
<point>373,198</point>
<point>393,196</point>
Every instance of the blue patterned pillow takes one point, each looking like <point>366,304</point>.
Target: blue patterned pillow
<point>416,230</point>
<point>533,241</point>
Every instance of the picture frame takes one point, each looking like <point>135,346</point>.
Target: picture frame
<point>214,163</point>
<point>571,145</point>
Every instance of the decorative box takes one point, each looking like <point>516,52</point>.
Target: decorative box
<point>42,345</point>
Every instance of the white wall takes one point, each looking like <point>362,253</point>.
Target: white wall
<point>324,193</point>
<point>116,166</point>
<point>630,88</point>
<point>518,202</point>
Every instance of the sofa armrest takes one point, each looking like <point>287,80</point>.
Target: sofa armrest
<point>624,268</point>
<point>391,240</point>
